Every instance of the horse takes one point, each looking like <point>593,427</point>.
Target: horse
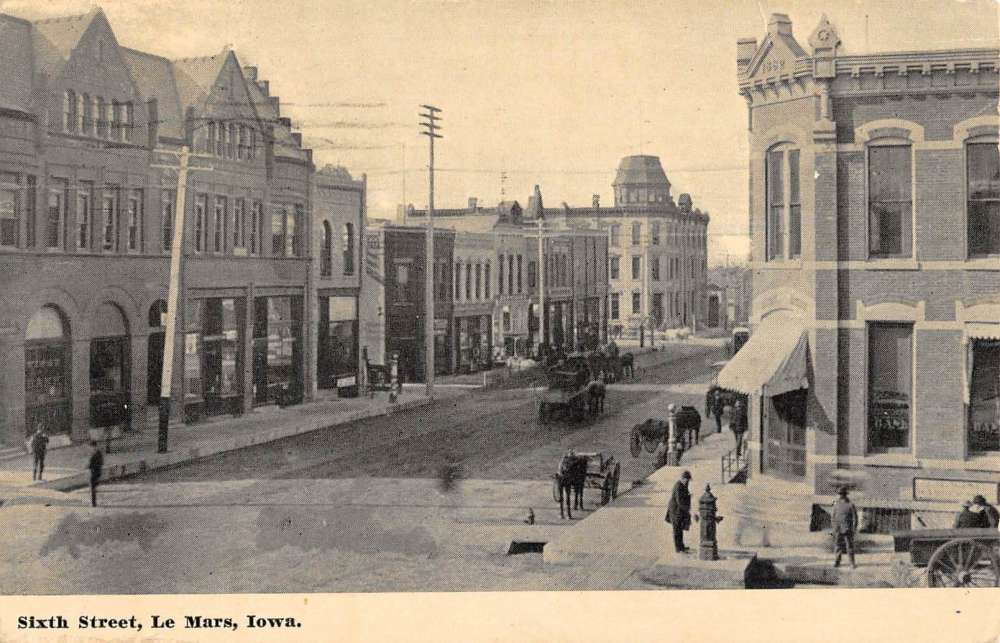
<point>564,480</point>
<point>578,479</point>
<point>628,365</point>
<point>596,391</point>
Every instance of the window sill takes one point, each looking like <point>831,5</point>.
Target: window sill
<point>983,263</point>
<point>984,462</point>
<point>782,264</point>
<point>892,264</point>
<point>901,460</point>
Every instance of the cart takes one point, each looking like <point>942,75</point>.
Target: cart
<point>603,472</point>
<point>652,432</point>
<point>567,392</point>
<point>954,557</point>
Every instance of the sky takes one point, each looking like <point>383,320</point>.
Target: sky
<point>547,93</point>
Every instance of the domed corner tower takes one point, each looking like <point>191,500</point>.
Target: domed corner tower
<point>641,181</point>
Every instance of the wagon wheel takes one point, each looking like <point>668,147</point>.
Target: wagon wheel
<point>964,562</point>
<point>555,488</point>
<point>635,442</point>
<point>617,477</point>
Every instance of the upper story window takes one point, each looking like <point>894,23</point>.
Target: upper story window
<point>500,277</point>
<point>486,279</point>
<point>636,267</point>
<point>69,110</point>
<point>468,281</point>
<point>326,251</point>
<point>295,216</point>
<point>402,282</point>
<point>890,201</point>
<point>520,283</point>
<point>654,233</point>
<point>256,227</point>
<point>616,234</point>
<point>109,209</point>
<point>616,267</point>
<point>240,223</point>
<point>221,208</point>
<point>10,197</point>
<point>278,231</point>
<point>654,268</point>
<point>636,233</point>
<point>166,220</point>
<point>783,225</point>
<point>200,229</point>
<point>532,274</point>
<point>348,249</point>
<point>983,163</point>
<point>134,224</point>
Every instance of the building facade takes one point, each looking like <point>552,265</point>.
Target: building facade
<point>874,184</point>
<point>338,229</point>
<point>89,131</point>
<point>393,300</point>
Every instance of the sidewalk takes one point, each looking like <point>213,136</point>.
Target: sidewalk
<point>65,468</point>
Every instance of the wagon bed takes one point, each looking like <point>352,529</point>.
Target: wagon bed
<point>953,557</point>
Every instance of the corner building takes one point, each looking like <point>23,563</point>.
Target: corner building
<point>875,224</point>
<point>87,221</point>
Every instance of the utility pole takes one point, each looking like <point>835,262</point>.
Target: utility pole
<point>430,130</point>
<point>404,185</point>
<point>173,292</point>
<point>541,282</point>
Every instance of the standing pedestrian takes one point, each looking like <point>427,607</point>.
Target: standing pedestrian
<point>96,466</point>
<point>717,409</point>
<point>992,516</point>
<point>679,511</point>
<point>738,424</point>
<point>845,524</point>
<point>39,447</point>
<point>966,518</point>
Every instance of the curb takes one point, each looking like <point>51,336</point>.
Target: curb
<point>154,461</point>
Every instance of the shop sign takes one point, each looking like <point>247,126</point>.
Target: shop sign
<point>440,325</point>
<point>344,382</point>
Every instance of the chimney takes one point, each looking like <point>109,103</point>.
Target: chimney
<point>152,123</point>
<point>745,49</point>
<point>297,139</point>
<point>284,120</point>
<point>265,87</point>
<point>251,73</point>
<point>596,201</point>
<point>779,24</point>
<point>473,202</point>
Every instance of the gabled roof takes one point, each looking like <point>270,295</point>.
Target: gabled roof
<point>56,38</point>
<point>197,76</point>
<point>154,75</point>
<point>15,71</point>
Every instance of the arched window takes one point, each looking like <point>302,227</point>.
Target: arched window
<point>348,248</point>
<point>47,374</point>
<point>157,314</point>
<point>326,251</point>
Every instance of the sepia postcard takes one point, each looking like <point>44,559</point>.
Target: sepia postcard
<point>507,321</point>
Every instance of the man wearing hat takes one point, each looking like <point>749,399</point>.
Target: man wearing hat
<point>679,511</point>
<point>989,516</point>
<point>966,518</point>
<point>845,524</point>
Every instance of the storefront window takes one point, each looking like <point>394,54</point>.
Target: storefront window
<point>47,376</point>
<point>338,345</point>
<point>277,348</point>
<point>192,350</point>
<point>984,398</point>
<point>890,368</point>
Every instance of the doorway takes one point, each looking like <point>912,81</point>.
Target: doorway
<point>784,420</point>
<point>154,352</point>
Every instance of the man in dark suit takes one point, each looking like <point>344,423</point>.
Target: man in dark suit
<point>844,516</point>
<point>679,511</point>
<point>990,517</point>
<point>96,466</point>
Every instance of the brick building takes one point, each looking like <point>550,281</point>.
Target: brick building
<point>874,190</point>
<point>86,227</point>
<point>393,307</point>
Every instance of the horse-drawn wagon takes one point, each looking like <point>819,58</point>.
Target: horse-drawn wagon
<point>587,470</point>
<point>652,432</point>
<point>954,557</point>
<point>567,392</point>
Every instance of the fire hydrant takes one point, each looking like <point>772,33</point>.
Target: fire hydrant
<point>394,386</point>
<point>673,455</point>
<point>708,545</point>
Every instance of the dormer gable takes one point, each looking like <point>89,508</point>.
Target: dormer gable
<point>96,64</point>
<point>777,53</point>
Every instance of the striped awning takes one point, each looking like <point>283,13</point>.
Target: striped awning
<point>775,358</point>
<point>982,330</point>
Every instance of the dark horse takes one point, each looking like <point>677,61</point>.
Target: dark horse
<point>570,479</point>
<point>596,392</point>
<point>627,365</point>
